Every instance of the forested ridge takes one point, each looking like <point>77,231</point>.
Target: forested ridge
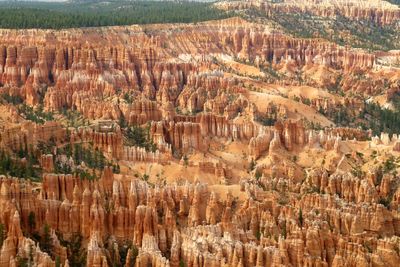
<point>397,2</point>
<point>355,33</point>
<point>25,15</point>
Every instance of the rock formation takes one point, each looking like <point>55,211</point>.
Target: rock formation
<point>221,143</point>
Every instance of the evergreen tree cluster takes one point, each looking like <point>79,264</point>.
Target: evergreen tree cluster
<point>45,242</point>
<point>16,167</point>
<point>139,136</point>
<point>37,115</point>
<point>23,15</point>
<point>267,120</point>
<point>93,159</point>
<point>380,119</point>
<point>372,117</point>
<point>76,254</point>
<point>73,118</point>
<point>24,163</point>
<point>12,99</point>
<point>2,234</point>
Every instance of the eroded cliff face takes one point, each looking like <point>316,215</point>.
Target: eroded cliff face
<point>225,143</point>
<point>191,223</point>
<point>78,69</point>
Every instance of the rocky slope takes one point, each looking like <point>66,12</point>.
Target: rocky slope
<point>225,143</point>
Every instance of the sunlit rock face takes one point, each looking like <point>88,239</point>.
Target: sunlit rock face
<point>223,143</point>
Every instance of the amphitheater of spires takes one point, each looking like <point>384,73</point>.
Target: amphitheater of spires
<point>239,158</point>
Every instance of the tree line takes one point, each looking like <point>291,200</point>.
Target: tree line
<point>62,15</point>
<point>93,159</point>
<point>380,119</point>
<point>23,165</point>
